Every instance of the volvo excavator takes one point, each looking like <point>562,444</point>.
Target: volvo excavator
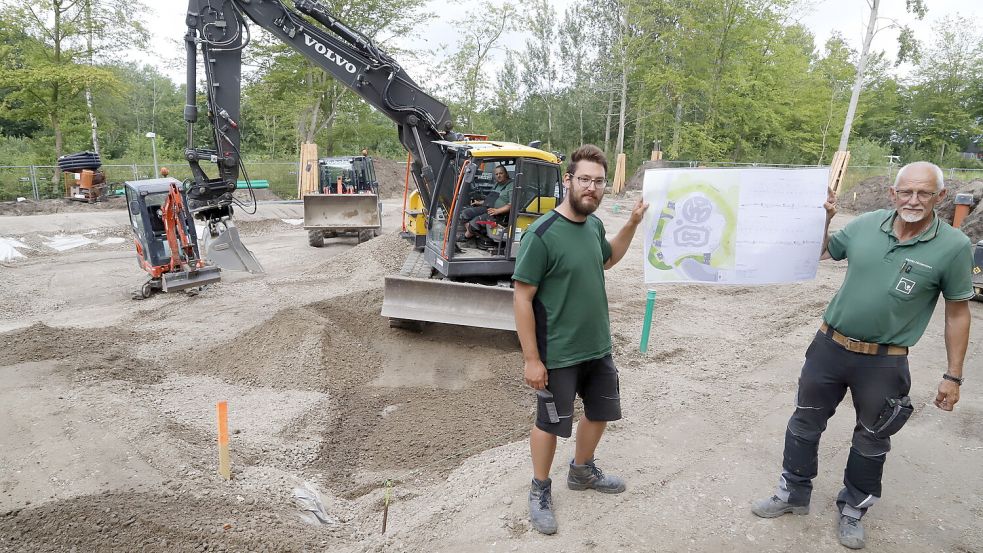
<point>440,281</point>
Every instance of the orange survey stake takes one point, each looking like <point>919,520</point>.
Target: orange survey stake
<point>224,463</point>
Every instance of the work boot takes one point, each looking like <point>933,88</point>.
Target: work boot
<point>541,506</point>
<point>582,477</point>
<point>851,532</point>
<point>775,507</point>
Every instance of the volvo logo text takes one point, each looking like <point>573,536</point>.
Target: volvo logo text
<point>328,53</point>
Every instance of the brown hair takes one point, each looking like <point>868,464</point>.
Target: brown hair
<point>587,152</point>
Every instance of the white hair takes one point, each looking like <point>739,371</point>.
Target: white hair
<point>939,176</point>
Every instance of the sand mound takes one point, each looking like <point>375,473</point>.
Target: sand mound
<point>383,385</point>
<point>40,342</point>
<point>59,205</point>
<point>170,521</point>
<point>391,176</point>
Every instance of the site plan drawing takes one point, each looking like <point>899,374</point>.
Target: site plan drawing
<point>733,226</point>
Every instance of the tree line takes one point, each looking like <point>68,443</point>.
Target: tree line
<point>713,80</point>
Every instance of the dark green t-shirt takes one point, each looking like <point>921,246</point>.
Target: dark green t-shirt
<point>891,288</point>
<point>565,261</point>
<point>504,193</point>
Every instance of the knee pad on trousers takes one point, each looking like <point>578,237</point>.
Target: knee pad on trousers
<point>868,444</point>
<point>864,472</point>
<point>807,424</point>
<point>801,455</point>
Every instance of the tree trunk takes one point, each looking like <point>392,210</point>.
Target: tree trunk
<point>581,125</point>
<point>858,83</point>
<point>607,124</point>
<point>621,114</point>
<point>639,130</point>
<point>677,127</point>
<point>549,126</point>
<point>88,89</point>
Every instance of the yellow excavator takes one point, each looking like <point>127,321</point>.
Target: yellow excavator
<point>441,281</point>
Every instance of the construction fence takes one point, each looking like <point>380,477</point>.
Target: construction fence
<point>39,182</point>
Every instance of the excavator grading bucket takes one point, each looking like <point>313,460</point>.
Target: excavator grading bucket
<point>445,301</point>
<point>342,211</point>
<point>227,251</point>
<point>182,280</point>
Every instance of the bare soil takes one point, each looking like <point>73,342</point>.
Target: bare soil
<point>107,415</point>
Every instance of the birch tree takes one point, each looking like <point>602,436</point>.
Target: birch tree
<point>908,49</point>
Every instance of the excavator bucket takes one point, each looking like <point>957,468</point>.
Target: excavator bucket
<point>182,280</point>
<point>341,212</point>
<point>224,249</point>
<point>445,301</point>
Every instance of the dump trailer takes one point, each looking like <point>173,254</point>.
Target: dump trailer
<point>346,203</point>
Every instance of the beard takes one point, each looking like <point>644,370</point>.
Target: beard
<point>910,217</point>
<point>581,204</point>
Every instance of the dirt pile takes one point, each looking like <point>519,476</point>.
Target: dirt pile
<point>872,194</point>
<point>391,176</point>
<point>638,179</point>
<point>59,205</point>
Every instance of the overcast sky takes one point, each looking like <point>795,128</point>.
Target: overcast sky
<point>166,22</point>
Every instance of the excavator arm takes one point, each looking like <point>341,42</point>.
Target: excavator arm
<point>218,31</point>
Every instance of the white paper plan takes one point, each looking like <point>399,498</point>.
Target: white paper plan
<point>733,226</point>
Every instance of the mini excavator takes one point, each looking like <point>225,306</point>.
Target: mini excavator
<point>165,237</point>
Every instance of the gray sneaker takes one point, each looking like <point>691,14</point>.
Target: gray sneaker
<point>541,506</point>
<point>774,507</point>
<point>582,477</point>
<point>851,532</point>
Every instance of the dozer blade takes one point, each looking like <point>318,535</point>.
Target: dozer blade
<point>342,211</point>
<point>181,280</point>
<point>444,301</point>
<point>227,251</point>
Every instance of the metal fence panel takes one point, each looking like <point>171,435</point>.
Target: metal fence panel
<point>44,181</point>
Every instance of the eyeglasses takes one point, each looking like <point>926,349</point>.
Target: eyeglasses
<point>585,182</point>
<point>923,196</point>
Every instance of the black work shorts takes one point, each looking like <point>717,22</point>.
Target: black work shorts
<point>595,381</point>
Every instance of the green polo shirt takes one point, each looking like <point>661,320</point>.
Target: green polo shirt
<point>565,260</point>
<point>891,287</point>
<point>504,193</point>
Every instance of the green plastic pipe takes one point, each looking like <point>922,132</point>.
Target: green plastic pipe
<point>649,307</point>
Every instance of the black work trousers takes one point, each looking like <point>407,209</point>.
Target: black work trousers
<point>829,370</point>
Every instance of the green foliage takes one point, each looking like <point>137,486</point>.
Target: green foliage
<point>867,152</point>
<point>712,80</point>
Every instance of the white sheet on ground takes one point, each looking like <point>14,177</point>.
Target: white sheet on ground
<point>63,242</point>
<point>293,221</point>
<point>8,248</point>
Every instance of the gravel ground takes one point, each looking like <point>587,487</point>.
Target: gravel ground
<point>108,416</point>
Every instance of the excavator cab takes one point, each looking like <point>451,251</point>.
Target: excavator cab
<point>470,283</point>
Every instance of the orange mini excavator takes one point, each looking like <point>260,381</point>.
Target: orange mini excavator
<point>165,237</point>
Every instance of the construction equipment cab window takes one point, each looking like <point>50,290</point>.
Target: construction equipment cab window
<point>497,198</point>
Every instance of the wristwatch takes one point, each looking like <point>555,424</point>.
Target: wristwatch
<point>958,381</point>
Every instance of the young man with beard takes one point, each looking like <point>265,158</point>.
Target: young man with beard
<point>561,316</point>
<point>900,260</point>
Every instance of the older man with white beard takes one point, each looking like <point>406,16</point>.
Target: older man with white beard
<point>900,260</point>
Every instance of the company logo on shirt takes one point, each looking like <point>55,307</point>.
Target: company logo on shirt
<point>905,286</point>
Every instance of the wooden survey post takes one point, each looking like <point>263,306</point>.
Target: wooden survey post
<point>308,174</point>
<point>837,170</point>
<point>224,463</point>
